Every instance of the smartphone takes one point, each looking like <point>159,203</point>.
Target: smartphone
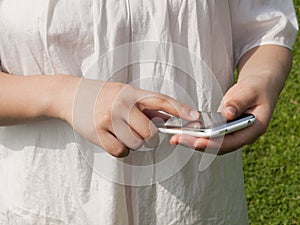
<point>210,125</point>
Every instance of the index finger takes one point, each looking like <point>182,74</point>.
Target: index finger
<point>157,101</point>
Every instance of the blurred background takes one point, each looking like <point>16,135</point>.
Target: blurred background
<point>272,164</point>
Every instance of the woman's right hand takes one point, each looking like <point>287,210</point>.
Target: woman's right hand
<point>111,115</point>
<point>108,114</point>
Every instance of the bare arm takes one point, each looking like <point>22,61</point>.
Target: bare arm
<point>108,114</point>
<point>268,67</point>
<point>262,74</point>
<point>28,98</point>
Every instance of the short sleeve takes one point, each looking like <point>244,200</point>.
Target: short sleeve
<point>260,22</point>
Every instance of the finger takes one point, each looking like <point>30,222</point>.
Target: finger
<point>235,140</point>
<point>237,101</point>
<point>250,134</point>
<point>156,101</point>
<point>125,134</point>
<point>141,124</point>
<point>226,144</point>
<point>214,146</point>
<point>229,142</point>
<point>183,139</point>
<point>112,145</point>
<point>199,144</point>
<point>143,127</point>
<point>151,114</point>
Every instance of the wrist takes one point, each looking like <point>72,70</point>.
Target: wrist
<point>266,81</point>
<point>269,65</point>
<point>59,97</point>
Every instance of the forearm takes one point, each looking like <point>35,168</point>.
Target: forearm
<point>270,64</point>
<point>29,98</point>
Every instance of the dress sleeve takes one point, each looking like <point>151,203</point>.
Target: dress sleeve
<point>260,22</point>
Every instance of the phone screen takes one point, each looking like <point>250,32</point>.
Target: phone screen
<point>207,120</point>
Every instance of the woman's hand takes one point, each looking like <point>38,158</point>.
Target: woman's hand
<point>252,96</point>
<point>262,73</point>
<point>114,116</point>
<point>111,115</point>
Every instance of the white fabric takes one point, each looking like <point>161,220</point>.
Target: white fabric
<point>44,178</point>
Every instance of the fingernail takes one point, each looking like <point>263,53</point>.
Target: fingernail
<point>173,141</point>
<point>232,111</point>
<point>194,114</point>
<point>183,141</point>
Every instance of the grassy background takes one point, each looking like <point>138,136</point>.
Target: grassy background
<point>272,164</point>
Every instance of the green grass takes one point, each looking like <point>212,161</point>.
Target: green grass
<point>272,164</point>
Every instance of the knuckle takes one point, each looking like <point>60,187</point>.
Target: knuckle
<point>250,89</point>
<point>241,97</point>
<point>237,103</point>
<point>106,117</point>
<point>102,121</point>
<point>198,147</point>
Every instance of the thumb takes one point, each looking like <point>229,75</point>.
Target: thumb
<point>238,100</point>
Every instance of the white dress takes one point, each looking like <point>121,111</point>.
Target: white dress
<point>186,49</point>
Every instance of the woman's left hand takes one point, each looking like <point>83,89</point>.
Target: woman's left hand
<point>252,96</point>
<point>262,73</point>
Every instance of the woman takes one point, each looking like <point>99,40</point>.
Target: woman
<point>184,49</point>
